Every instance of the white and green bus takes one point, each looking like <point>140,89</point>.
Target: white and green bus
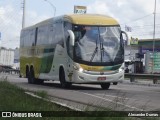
<point>78,48</point>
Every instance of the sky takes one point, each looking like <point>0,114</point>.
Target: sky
<point>137,14</point>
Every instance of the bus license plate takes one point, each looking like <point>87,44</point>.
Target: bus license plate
<point>101,78</point>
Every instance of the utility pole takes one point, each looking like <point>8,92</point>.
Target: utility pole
<point>24,14</point>
<point>154,34</point>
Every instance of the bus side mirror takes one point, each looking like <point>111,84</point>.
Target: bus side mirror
<point>72,37</point>
<point>126,36</point>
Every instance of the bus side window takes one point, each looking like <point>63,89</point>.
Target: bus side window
<point>32,37</point>
<point>27,38</point>
<point>42,35</point>
<point>36,33</point>
<point>58,39</point>
<point>51,33</point>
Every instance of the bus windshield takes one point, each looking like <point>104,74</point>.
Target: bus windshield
<point>98,45</point>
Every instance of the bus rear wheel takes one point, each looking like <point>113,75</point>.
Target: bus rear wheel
<point>27,71</point>
<point>31,76</point>
<point>105,86</point>
<point>63,82</point>
<point>39,81</point>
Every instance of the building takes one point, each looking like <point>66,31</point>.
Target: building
<point>6,56</point>
<point>16,59</point>
<point>144,48</point>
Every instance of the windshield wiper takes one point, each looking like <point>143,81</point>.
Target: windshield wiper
<point>94,53</point>
<point>101,46</point>
<point>103,51</point>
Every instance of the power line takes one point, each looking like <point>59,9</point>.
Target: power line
<point>144,26</point>
<point>138,19</point>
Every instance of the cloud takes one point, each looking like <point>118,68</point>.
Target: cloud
<point>126,12</point>
<point>33,18</point>
<point>9,27</point>
<point>135,13</point>
<point>98,7</point>
<point>11,24</point>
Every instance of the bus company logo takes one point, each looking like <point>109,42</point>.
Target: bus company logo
<point>6,114</point>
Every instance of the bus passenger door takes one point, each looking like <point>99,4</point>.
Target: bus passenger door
<point>69,59</point>
<point>69,51</point>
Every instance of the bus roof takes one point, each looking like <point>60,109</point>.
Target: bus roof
<point>81,19</point>
<point>39,24</point>
<point>91,19</point>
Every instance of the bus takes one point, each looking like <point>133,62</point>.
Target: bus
<point>73,49</point>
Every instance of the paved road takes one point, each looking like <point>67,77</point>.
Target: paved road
<point>120,97</point>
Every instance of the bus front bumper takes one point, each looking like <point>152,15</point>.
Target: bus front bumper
<point>81,77</point>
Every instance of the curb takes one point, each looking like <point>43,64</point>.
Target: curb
<point>140,83</point>
<point>55,102</point>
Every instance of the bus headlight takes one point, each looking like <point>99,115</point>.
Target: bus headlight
<point>121,69</point>
<point>81,69</point>
<point>77,67</point>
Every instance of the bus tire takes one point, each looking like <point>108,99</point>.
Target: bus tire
<point>20,76</point>
<point>31,78</point>
<point>105,86</point>
<point>27,71</point>
<point>63,82</point>
<point>115,83</point>
<point>39,81</point>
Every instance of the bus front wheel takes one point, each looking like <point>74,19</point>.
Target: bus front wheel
<point>105,86</point>
<point>63,82</point>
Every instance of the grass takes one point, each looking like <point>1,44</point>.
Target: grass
<point>13,98</point>
<point>42,94</point>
